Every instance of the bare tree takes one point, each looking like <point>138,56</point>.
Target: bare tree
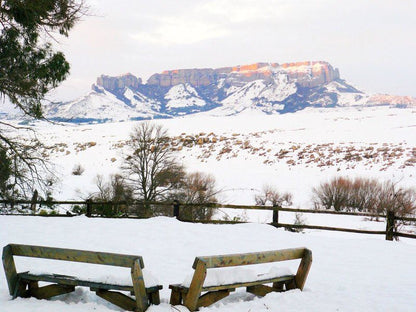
<point>271,196</point>
<point>24,165</point>
<point>197,188</point>
<point>151,166</point>
<point>114,194</point>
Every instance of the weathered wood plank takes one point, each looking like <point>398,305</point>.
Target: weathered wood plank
<point>326,228</point>
<point>291,285</point>
<point>250,258</point>
<point>68,280</point>
<point>75,255</point>
<point>139,288</point>
<point>9,268</point>
<point>284,278</point>
<point>154,297</point>
<point>191,300</point>
<point>303,269</point>
<point>49,291</point>
<point>117,299</point>
<point>20,289</point>
<point>175,297</point>
<point>211,297</point>
<point>231,287</point>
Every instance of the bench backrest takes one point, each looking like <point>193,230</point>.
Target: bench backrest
<point>75,255</point>
<point>221,261</point>
<point>104,258</point>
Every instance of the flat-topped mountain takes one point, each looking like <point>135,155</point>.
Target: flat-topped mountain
<point>266,87</point>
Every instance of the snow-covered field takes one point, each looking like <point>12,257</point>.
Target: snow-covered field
<point>293,152</point>
<point>350,272</point>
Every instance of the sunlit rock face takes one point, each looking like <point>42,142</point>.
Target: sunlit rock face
<point>307,74</point>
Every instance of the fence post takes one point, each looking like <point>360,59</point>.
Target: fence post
<point>89,208</point>
<point>276,215</point>
<point>33,202</point>
<point>390,225</point>
<point>176,205</point>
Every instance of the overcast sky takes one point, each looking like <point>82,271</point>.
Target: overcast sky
<point>371,42</point>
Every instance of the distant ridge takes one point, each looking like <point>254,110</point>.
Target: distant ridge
<point>266,87</point>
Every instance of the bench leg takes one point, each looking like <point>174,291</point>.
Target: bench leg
<point>49,291</point>
<point>291,285</point>
<point>211,297</point>
<point>20,289</point>
<point>260,290</point>
<point>279,286</point>
<point>154,297</point>
<point>175,297</point>
<point>118,299</point>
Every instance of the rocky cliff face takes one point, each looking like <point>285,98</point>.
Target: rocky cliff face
<point>306,74</point>
<point>266,87</point>
<point>113,84</point>
<point>195,77</point>
<point>385,99</point>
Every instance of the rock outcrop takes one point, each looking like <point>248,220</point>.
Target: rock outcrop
<point>392,100</point>
<point>195,77</point>
<point>114,84</point>
<point>306,74</point>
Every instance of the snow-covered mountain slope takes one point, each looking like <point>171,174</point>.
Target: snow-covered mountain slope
<point>264,87</point>
<point>102,105</point>
<point>183,97</point>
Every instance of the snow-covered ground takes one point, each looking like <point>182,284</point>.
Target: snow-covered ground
<point>293,152</point>
<point>350,272</point>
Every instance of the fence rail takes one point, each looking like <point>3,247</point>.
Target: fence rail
<point>177,210</point>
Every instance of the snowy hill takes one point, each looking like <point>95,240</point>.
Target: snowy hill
<point>265,87</point>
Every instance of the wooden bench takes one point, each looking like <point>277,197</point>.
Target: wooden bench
<point>191,296</point>
<point>25,284</point>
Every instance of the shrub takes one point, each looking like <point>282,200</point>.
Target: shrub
<point>398,199</point>
<point>271,196</point>
<point>196,188</point>
<point>78,170</point>
<point>79,210</point>
<point>333,194</point>
<point>364,195</point>
<point>43,212</point>
<point>299,221</point>
<point>110,194</point>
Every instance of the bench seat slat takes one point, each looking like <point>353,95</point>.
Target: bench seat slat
<point>73,281</point>
<point>284,278</point>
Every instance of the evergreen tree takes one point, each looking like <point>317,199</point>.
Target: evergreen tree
<point>29,68</point>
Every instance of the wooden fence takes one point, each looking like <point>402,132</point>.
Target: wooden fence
<point>178,210</point>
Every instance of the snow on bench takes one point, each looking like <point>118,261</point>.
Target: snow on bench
<point>239,275</point>
<point>218,284</point>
